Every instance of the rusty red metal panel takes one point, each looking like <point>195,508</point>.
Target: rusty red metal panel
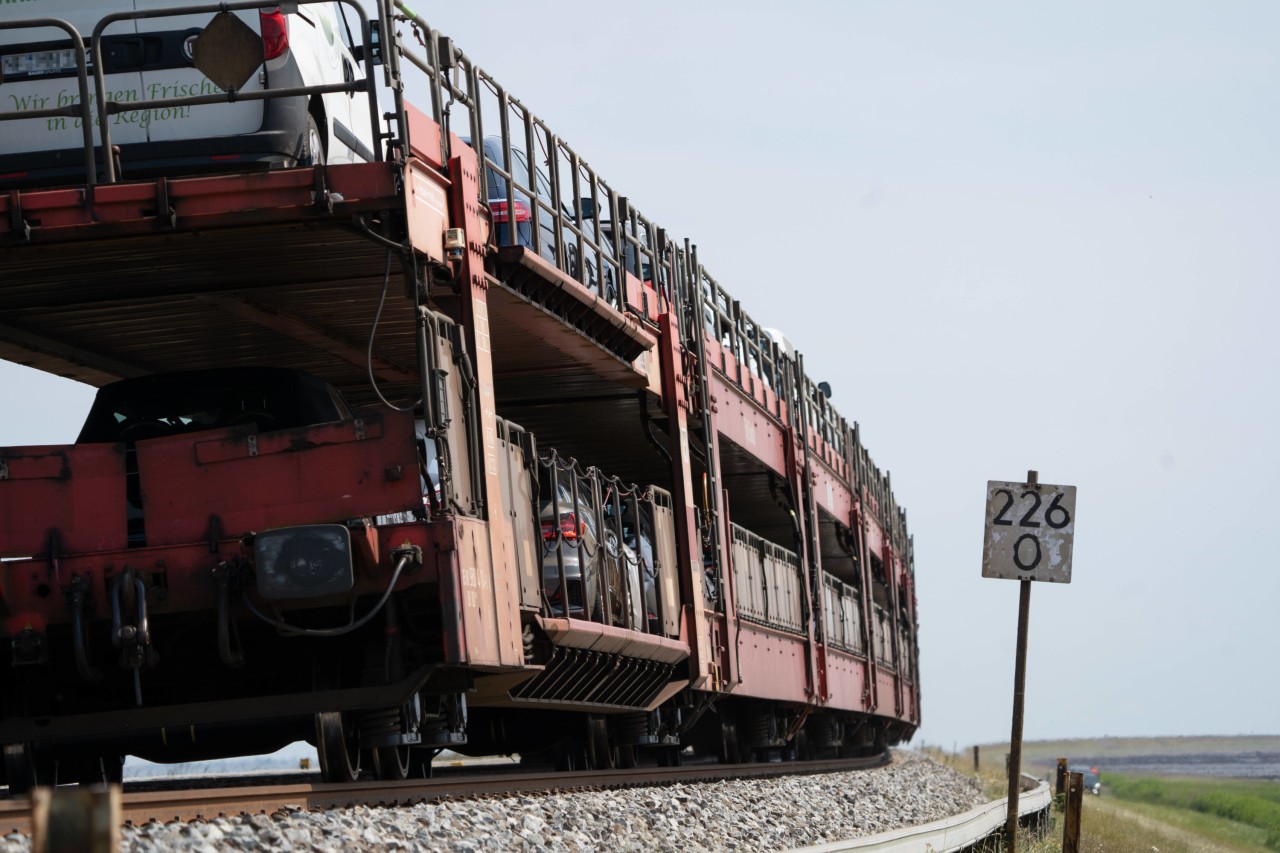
<point>424,136</point>
<point>33,586</point>
<point>831,493</point>
<point>230,200</point>
<point>823,451</point>
<point>643,297</point>
<point>285,192</point>
<point>78,490</point>
<point>875,537</point>
<point>694,628</point>
<point>773,665</point>
<point>256,481</point>
<point>481,616</point>
<point>715,353</point>
<point>846,681</point>
<point>732,663</point>
<point>886,685</point>
<point>426,208</point>
<point>488,574</point>
<point>581,634</point>
<point>744,423</point>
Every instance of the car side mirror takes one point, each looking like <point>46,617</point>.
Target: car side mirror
<point>375,45</point>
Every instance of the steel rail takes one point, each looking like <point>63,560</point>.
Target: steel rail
<point>165,806</point>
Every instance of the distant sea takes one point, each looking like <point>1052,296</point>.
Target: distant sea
<point>1245,765</point>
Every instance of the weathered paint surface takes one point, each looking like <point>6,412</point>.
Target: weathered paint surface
<point>1029,532</point>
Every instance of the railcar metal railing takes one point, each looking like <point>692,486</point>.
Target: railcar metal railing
<point>882,633</point>
<point>541,193</point>
<point>842,608</point>
<point>95,109</point>
<point>602,546</point>
<point>768,581</point>
<point>577,221</point>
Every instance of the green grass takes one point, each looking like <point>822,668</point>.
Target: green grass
<point>1135,814</point>
<point>1172,814</point>
<point>1222,805</point>
<point>1224,833</point>
<point>1112,825</point>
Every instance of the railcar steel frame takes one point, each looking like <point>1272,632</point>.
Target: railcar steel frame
<point>644,367</point>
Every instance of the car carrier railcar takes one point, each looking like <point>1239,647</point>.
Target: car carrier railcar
<point>585,508</point>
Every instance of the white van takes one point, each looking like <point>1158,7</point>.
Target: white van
<point>153,58</point>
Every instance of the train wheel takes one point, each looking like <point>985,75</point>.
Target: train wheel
<point>337,746</point>
<point>599,752</point>
<point>569,757</point>
<point>420,762</point>
<point>729,751</point>
<point>626,756</point>
<point>97,770</point>
<point>800,748</point>
<point>670,756</point>
<point>391,763</point>
<point>19,768</point>
<point>26,768</point>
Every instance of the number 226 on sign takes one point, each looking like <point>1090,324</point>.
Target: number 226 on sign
<point>1029,532</point>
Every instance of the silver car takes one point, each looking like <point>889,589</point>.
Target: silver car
<point>572,541</point>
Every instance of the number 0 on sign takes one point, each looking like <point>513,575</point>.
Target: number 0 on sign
<point>1029,532</point>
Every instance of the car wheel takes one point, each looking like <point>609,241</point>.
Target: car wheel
<point>313,150</point>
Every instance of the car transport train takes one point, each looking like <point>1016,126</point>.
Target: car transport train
<point>370,467</point>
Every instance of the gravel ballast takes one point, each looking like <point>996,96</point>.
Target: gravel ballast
<point>751,815</point>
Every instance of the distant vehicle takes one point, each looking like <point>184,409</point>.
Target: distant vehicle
<point>1092,779</point>
<point>154,58</point>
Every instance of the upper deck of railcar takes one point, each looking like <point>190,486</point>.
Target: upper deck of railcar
<point>107,280</point>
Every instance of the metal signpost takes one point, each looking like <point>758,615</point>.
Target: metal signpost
<point>1029,531</point>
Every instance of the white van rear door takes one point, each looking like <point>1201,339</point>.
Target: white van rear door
<point>42,74</point>
<point>170,73</point>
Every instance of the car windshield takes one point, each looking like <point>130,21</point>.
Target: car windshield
<point>521,173</point>
<point>170,404</point>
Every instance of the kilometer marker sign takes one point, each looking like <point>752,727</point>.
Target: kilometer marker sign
<point>1029,531</point>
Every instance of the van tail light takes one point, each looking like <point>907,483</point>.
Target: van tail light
<point>275,32</point>
<point>499,211</point>
<point>570,528</point>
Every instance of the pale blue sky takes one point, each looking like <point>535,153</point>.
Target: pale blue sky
<point>1011,236</point>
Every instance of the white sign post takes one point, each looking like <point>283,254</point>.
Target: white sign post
<point>1029,531</point>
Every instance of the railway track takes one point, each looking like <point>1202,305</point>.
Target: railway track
<point>173,804</point>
